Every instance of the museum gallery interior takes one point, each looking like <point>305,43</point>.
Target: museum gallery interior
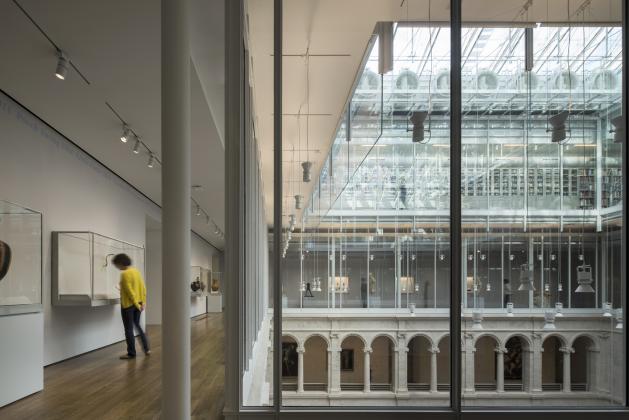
<point>342,209</point>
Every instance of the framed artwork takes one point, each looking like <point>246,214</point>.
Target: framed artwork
<point>513,361</point>
<point>289,359</point>
<point>347,359</point>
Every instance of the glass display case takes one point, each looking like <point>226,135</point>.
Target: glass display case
<point>20,259</point>
<point>82,271</point>
<point>200,281</point>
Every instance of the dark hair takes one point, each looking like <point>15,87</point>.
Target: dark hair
<point>122,260</point>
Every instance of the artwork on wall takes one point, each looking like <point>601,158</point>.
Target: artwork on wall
<point>5,259</point>
<point>513,361</point>
<point>347,359</point>
<point>289,359</point>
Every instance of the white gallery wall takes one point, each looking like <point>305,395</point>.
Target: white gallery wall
<point>41,170</point>
<point>201,254</point>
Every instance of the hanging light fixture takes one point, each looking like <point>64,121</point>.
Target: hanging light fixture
<point>584,278</point>
<point>198,211</point>
<point>62,65</point>
<point>607,310</point>
<point>307,169</point>
<point>619,129</point>
<point>558,127</point>
<point>299,199</point>
<point>385,47</point>
<point>619,320</point>
<point>418,118</point>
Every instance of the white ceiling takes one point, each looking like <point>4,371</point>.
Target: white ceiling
<point>345,27</point>
<point>116,45</point>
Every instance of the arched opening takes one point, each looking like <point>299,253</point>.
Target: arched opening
<point>552,364</point>
<point>485,364</point>
<point>381,367</point>
<point>583,365</point>
<point>290,363</point>
<point>352,364</point>
<point>443,365</point>
<point>315,364</point>
<point>418,364</point>
<point>516,364</point>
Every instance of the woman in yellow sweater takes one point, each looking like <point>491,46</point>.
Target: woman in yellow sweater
<point>132,303</point>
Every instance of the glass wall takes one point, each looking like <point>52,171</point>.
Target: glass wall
<point>366,279</point>
<point>542,210</point>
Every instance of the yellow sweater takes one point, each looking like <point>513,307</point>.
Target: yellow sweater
<point>132,288</point>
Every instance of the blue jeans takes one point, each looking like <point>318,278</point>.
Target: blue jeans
<point>131,318</point>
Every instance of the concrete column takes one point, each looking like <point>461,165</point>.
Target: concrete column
<point>300,369</point>
<point>500,369</point>
<point>334,355</point>
<point>433,368</point>
<point>468,361</point>
<point>367,369</point>
<point>535,367</point>
<point>175,210</point>
<point>567,351</point>
<point>402,366</point>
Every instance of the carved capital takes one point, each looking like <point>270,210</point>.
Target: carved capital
<point>434,350</point>
<point>566,349</point>
<point>368,350</point>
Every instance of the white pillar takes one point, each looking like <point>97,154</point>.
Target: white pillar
<point>433,368</point>
<point>402,366</point>
<point>535,367</point>
<point>500,369</point>
<point>367,369</point>
<point>176,160</point>
<point>300,369</point>
<point>334,354</point>
<point>567,351</point>
<point>468,358</point>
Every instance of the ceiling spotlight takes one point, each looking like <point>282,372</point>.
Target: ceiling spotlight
<point>417,119</point>
<point>299,200</point>
<point>62,66</point>
<point>198,211</point>
<point>126,133</point>
<point>151,161</point>
<point>558,130</point>
<point>307,166</point>
<point>619,129</point>
<point>136,146</point>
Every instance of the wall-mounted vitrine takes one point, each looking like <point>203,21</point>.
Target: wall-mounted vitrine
<point>200,281</point>
<point>82,269</point>
<point>20,259</point>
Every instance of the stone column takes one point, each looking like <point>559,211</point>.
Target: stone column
<point>402,365</point>
<point>567,351</point>
<point>402,370</point>
<point>433,368</point>
<point>468,360</point>
<point>334,357</point>
<point>500,369</point>
<point>367,369</point>
<point>300,369</point>
<point>535,366</point>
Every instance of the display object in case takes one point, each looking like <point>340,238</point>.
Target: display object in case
<point>216,283</point>
<point>82,271</point>
<point>200,281</point>
<point>20,259</point>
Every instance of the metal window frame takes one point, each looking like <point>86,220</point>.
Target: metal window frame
<point>234,325</point>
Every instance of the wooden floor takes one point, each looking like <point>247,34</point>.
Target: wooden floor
<point>98,385</point>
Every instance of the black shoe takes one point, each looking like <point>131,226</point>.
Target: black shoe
<point>127,357</point>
